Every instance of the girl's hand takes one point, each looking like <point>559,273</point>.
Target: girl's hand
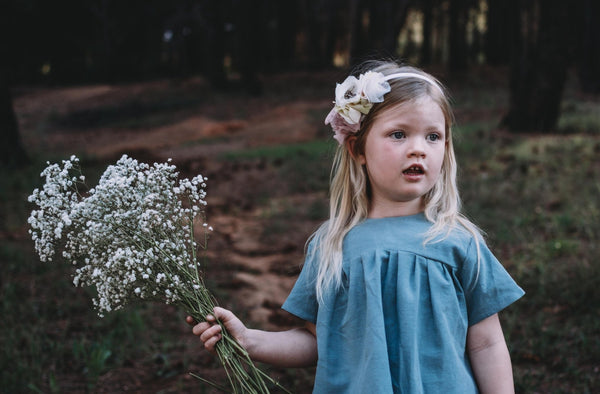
<point>210,331</point>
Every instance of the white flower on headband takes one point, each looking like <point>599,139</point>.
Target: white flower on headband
<point>354,99</point>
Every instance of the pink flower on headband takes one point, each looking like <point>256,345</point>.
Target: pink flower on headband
<point>340,126</point>
<point>354,99</point>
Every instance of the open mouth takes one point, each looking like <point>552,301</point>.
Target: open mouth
<point>414,170</point>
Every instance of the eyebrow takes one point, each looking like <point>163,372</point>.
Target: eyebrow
<point>402,125</point>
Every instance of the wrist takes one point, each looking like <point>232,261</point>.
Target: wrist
<point>248,341</point>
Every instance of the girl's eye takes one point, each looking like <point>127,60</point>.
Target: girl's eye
<point>398,135</point>
<point>433,137</point>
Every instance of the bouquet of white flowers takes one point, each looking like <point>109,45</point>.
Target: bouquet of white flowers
<point>133,237</point>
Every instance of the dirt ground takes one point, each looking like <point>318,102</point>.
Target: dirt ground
<point>253,274</point>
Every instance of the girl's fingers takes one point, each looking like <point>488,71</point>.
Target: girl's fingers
<point>211,343</point>
<point>210,333</point>
<point>223,314</point>
<point>199,328</point>
<point>191,321</point>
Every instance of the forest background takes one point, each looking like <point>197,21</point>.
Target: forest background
<point>238,90</point>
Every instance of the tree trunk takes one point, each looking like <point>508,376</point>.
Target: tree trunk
<point>317,35</point>
<point>12,153</point>
<point>588,59</point>
<point>539,66</point>
<point>376,26</point>
<point>427,9</point>
<point>459,51</point>
<point>383,33</point>
<point>500,27</point>
<point>249,52</point>
<point>359,36</point>
<point>287,25</point>
<point>214,44</point>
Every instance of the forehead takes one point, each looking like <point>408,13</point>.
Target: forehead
<point>423,110</point>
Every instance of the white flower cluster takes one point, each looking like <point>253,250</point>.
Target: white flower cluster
<point>55,201</point>
<point>355,96</point>
<point>130,236</point>
<point>354,99</point>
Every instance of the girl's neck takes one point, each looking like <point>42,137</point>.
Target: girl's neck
<point>397,209</point>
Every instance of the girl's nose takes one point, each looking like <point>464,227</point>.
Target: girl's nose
<point>416,150</point>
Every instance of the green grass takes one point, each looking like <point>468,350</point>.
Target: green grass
<point>49,328</point>
<point>313,150</point>
<point>299,168</point>
<point>579,116</point>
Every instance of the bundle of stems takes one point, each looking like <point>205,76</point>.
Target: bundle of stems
<point>242,374</point>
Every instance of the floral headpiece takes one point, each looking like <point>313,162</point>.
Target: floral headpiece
<point>355,97</point>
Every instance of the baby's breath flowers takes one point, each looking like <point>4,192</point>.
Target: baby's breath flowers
<point>132,237</point>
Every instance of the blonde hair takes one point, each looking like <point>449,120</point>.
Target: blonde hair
<point>349,186</point>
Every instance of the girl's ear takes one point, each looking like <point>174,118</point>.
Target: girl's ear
<point>351,146</point>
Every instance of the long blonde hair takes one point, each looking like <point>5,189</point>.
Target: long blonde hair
<point>349,185</point>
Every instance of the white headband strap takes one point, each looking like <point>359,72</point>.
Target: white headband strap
<point>414,75</point>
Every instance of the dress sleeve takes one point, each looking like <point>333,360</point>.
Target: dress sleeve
<point>488,287</point>
<point>302,300</point>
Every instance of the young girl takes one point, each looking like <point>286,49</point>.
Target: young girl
<point>399,291</point>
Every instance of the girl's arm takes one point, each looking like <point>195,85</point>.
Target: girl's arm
<point>489,357</point>
<point>292,348</point>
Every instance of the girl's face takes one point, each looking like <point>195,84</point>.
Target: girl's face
<point>403,156</point>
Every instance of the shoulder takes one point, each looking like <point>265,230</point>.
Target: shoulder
<point>462,245</point>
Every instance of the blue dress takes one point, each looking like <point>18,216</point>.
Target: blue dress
<point>399,322</point>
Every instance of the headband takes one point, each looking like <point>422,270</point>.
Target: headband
<point>355,96</point>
